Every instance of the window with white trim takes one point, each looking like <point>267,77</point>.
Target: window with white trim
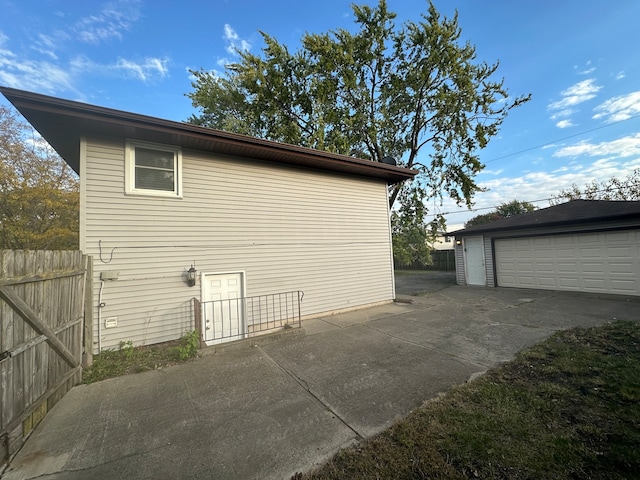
<point>153,169</point>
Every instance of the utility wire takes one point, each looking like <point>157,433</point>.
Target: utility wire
<point>528,201</point>
<point>535,148</point>
<point>560,139</point>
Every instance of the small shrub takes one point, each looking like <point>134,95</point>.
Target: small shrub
<point>189,344</point>
<point>127,349</point>
<point>129,359</point>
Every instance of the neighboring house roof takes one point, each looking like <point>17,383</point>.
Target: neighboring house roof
<point>63,122</point>
<point>570,213</point>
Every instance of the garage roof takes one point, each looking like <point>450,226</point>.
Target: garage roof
<point>63,122</point>
<point>573,212</point>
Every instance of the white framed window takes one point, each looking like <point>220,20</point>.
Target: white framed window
<point>153,169</point>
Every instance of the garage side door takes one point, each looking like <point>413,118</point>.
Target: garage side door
<point>604,262</point>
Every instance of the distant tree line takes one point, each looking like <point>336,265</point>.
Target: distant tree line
<point>627,188</point>
<point>505,210</point>
<point>39,200</point>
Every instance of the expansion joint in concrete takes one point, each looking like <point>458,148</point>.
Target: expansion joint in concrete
<point>305,385</point>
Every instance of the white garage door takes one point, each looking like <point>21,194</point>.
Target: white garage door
<point>604,262</point>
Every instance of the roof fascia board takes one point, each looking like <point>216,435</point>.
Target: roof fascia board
<point>33,101</point>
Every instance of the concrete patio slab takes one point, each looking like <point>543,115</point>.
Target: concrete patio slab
<point>270,410</point>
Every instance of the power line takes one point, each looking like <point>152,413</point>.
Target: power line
<point>560,139</point>
<point>530,201</point>
<point>485,208</point>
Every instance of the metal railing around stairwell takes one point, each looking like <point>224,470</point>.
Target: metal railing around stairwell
<point>236,318</point>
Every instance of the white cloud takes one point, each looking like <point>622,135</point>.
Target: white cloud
<point>491,172</point>
<point>233,40</point>
<point>110,22</point>
<point>588,69</point>
<point>47,66</point>
<point>537,185</point>
<point>565,124</point>
<point>223,62</point>
<point>620,75</point>
<point>48,44</point>
<point>33,75</point>
<point>149,69</point>
<point>619,108</point>
<point>567,112</point>
<point>619,148</point>
<point>576,94</point>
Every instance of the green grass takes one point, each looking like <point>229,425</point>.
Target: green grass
<point>566,408</point>
<point>129,359</point>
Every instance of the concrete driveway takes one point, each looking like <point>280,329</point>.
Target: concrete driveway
<point>284,406</point>
<point>420,282</point>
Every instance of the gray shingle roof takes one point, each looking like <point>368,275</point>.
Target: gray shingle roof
<point>575,211</point>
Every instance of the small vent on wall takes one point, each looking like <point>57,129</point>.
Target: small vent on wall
<point>110,322</point>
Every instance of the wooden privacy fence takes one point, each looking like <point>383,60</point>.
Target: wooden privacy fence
<point>439,260</point>
<point>443,260</point>
<point>41,337</point>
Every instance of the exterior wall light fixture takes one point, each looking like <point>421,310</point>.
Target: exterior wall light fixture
<point>458,242</point>
<point>191,276</point>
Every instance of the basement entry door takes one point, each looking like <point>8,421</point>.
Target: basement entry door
<point>223,312</point>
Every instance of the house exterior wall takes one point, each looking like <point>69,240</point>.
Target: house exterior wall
<point>286,229</point>
<point>443,242</point>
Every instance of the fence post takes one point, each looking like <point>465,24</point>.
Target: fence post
<point>197,320</point>
<point>87,337</point>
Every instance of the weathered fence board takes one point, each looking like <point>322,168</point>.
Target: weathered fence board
<point>41,337</point>
<point>438,260</point>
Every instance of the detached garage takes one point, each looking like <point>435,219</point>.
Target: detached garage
<point>583,245</point>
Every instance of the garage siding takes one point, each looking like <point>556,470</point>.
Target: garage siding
<point>599,262</point>
<point>460,268</point>
<point>488,262</point>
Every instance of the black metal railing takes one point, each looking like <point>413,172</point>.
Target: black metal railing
<point>236,318</point>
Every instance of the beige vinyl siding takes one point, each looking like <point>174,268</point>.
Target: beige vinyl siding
<point>488,262</point>
<point>487,248</point>
<point>286,229</point>
<point>460,269</point>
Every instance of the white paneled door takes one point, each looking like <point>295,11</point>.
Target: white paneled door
<point>602,262</point>
<point>223,308</point>
<point>474,261</point>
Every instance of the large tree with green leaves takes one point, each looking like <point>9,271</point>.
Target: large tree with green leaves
<point>504,210</point>
<point>411,238</point>
<point>615,188</point>
<point>414,92</point>
<point>38,191</point>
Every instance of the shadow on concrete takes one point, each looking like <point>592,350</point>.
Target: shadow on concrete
<point>420,282</point>
<point>273,409</point>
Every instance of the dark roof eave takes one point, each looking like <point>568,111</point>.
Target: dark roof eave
<point>62,123</point>
<point>609,218</point>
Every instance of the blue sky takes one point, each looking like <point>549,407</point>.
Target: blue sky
<point>578,59</point>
